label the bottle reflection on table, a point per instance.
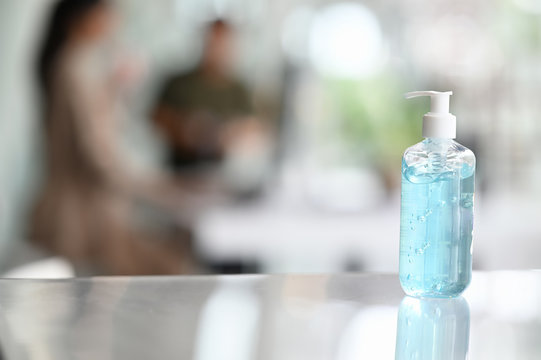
(435, 329)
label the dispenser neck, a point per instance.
(439, 126)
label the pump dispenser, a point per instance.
(436, 219)
(439, 122)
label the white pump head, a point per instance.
(438, 123)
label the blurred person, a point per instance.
(207, 118)
(84, 210)
(208, 122)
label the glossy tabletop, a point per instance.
(282, 317)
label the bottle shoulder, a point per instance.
(447, 151)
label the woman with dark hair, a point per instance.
(83, 212)
(62, 21)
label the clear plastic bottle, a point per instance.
(436, 220)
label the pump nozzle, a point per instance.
(438, 123)
(439, 101)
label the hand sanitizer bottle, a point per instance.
(436, 219)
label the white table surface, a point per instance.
(282, 317)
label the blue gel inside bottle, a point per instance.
(436, 218)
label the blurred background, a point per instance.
(231, 136)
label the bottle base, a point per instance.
(434, 290)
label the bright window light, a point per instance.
(346, 41)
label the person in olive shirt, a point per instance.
(195, 110)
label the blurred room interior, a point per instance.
(304, 175)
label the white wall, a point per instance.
(20, 23)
